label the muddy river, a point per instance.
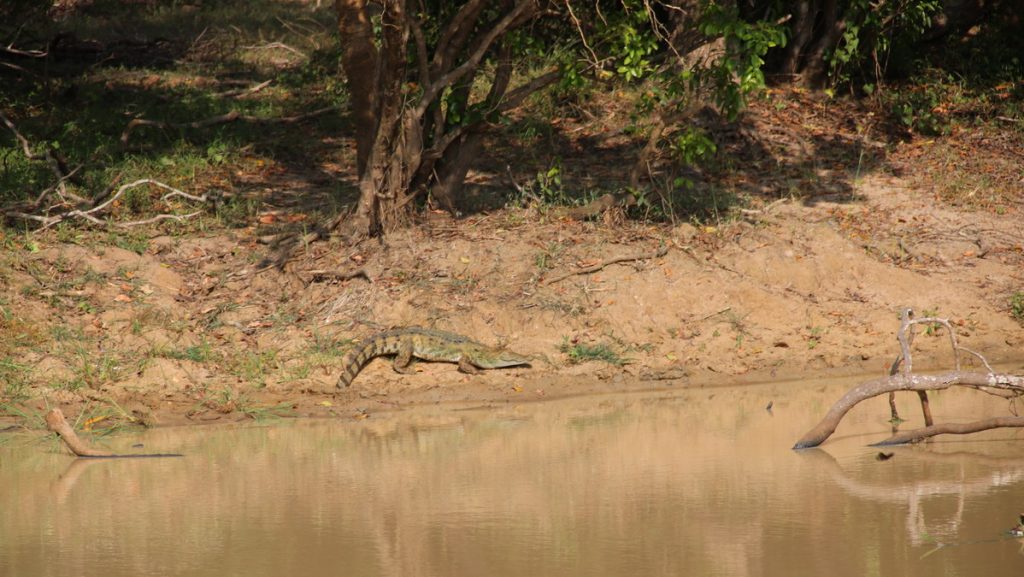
(684, 482)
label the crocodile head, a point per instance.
(501, 359)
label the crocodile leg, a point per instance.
(403, 360)
(467, 366)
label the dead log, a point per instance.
(1002, 385)
(56, 422)
(1009, 385)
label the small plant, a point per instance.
(544, 259)
(581, 353)
(1017, 306)
(814, 337)
(931, 329)
(14, 376)
(196, 353)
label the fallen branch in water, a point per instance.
(56, 422)
(662, 251)
(1001, 385)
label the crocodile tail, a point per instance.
(354, 362)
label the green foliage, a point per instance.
(915, 110)
(1017, 306)
(874, 32)
(581, 353)
(15, 379)
(196, 353)
(630, 40)
(693, 146)
(740, 72)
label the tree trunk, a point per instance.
(803, 28)
(815, 72)
(359, 60)
(406, 142)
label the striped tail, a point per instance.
(354, 362)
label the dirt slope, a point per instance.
(187, 332)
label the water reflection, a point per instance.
(697, 482)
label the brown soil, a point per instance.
(191, 332)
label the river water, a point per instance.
(684, 482)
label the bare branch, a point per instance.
(56, 422)
(827, 426)
(431, 92)
(951, 429)
(221, 119)
(91, 214)
(662, 251)
(239, 93)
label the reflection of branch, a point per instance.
(913, 492)
(66, 482)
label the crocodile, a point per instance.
(428, 345)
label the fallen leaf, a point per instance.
(123, 299)
(89, 423)
(326, 404)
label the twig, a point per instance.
(273, 45)
(662, 251)
(901, 378)
(221, 119)
(714, 314)
(90, 214)
(239, 93)
(51, 158)
(323, 274)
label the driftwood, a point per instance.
(1001, 385)
(56, 422)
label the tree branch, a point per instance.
(447, 79)
(221, 119)
(951, 429)
(828, 424)
(662, 251)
